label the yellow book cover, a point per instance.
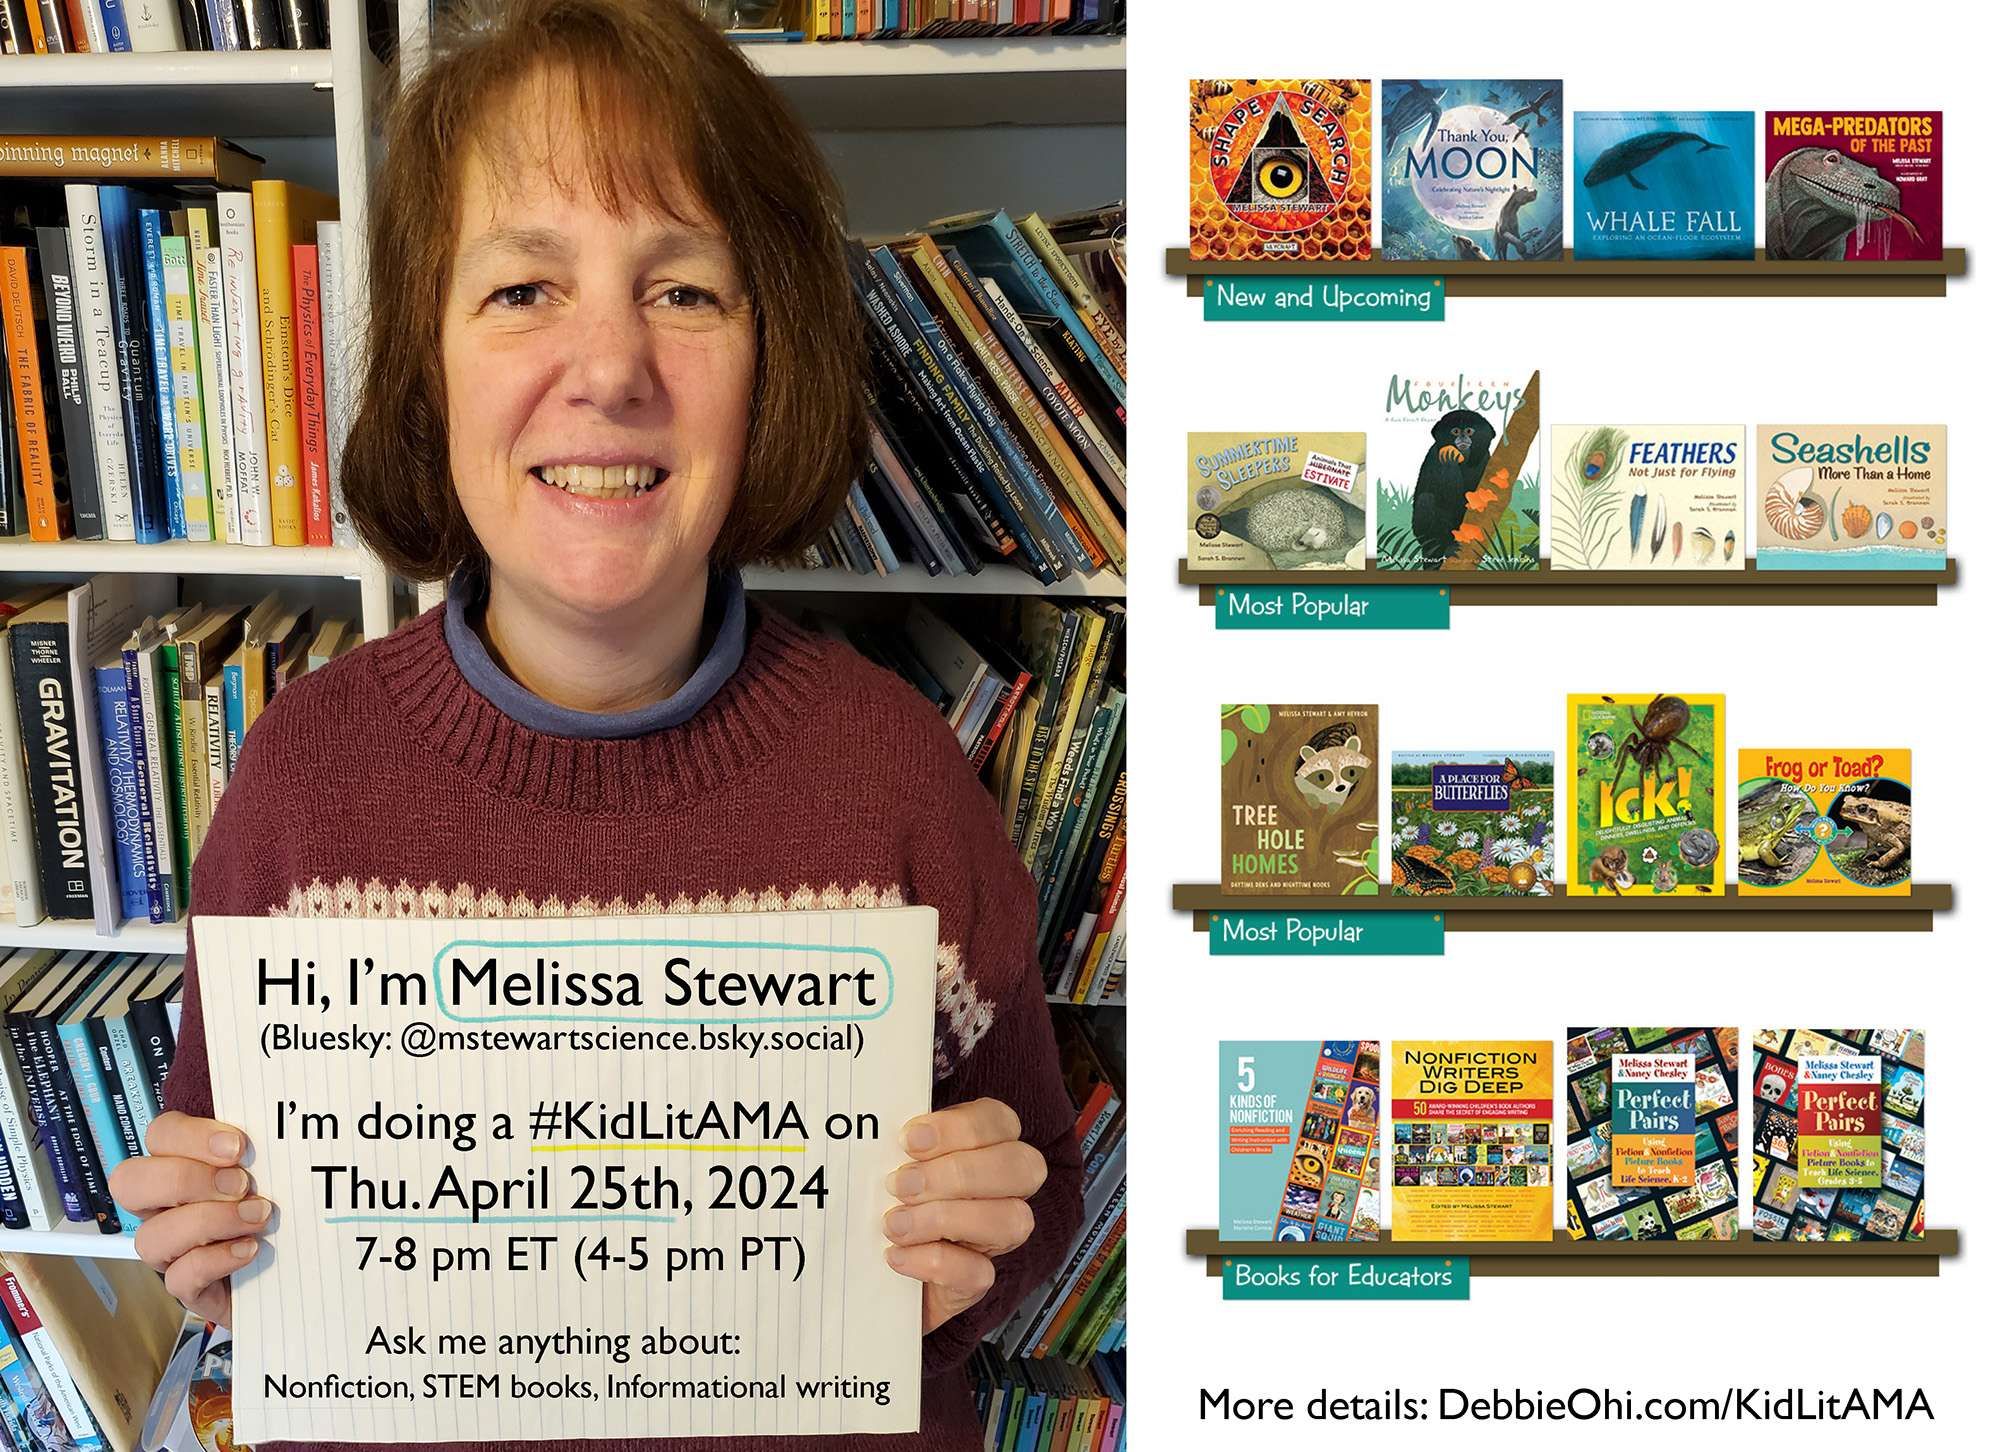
(1279, 171)
(1823, 823)
(1472, 1140)
(1648, 775)
(283, 213)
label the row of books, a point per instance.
(997, 416)
(953, 19)
(1837, 1142)
(121, 718)
(58, 27)
(89, 1039)
(83, 1345)
(1029, 1406)
(172, 353)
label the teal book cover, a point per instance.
(1300, 1140)
(1666, 185)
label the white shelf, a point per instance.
(177, 557)
(1050, 80)
(132, 938)
(82, 1241)
(994, 579)
(198, 93)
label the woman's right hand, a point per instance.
(201, 1221)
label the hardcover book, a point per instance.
(1823, 822)
(1458, 473)
(1850, 496)
(1648, 799)
(1652, 1133)
(1279, 171)
(1854, 186)
(1646, 498)
(1277, 501)
(1837, 1146)
(1666, 185)
(1472, 171)
(1472, 823)
(1300, 1140)
(1472, 1140)
(1299, 811)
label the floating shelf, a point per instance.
(85, 1242)
(1603, 278)
(1562, 1256)
(994, 579)
(1748, 586)
(1052, 80)
(132, 938)
(205, 93)
(179, 556)
(1729, 911)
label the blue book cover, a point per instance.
(163, 373)
(118, 213)
(115, 28)
(1666, 185)
(1300, 1133)
(232, 709)
(157, 904)
(121, 779)
(1472, 171)
(90, 1090)
(130, 1059)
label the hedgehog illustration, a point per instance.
(1305, 525)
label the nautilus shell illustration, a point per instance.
(1791, 508)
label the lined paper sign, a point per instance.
(572, 1178)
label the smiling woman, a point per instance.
(612, 355)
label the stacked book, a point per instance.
(948, 19)
(173, 347)
(121, 718)
(1028, 1406)
(57, 27)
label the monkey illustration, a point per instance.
(1454, 467)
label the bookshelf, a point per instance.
(81, 1241)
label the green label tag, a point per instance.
(1328, 299)
(1334, 1277)
(1344, 935)
(1332, 607)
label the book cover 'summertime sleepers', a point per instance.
(1300, 1140)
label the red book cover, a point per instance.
(47, 498)
(318, 491)
(1854, 186)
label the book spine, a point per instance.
(312, 393)
(134, 1082)
(222, 24)
(107, 417)
(261, 27)
(1035, 277)
(215, 727)
(124, 269)
(121, 782)
(1063, 404)
(40, 1200)
(162, 375)
(156, 812)
(13, 1209)
(217, 405)
(56, 1380)
(284, 461)
(154, 26)
(46, 516)
(79, 1098)
(48, 712)
(48, 1120)
(154, 1036)
(184, 363)
(116, 1131)
(117, 33)
(232, 701)
(17, 823)
(13, 493)
(336, 370)
(194, 752)
(71, 387)
(300, 19)
(173, 745)
(67, 1124)
(246, 367)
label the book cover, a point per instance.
(32, 365)
(113, 1325)
(1854, 186)
(1850, 496)
(1472, 171)
(98, 341)
(1838, 1140)
(1279, 171)
(1472, 1140)
(1300, 1140)
(284, 213)
(1666, 185)
(1299, 812)
(1648, 794)
(1635, 497)
(1458, 473)
(190, 433)
(1472, 823)
(1653, 1125)
(1277, 501)
(40, 641)
(1823, 822)
(71, 394)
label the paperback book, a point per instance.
(1472, 1140)
(1472, 823)
(1652, 1133)
(1300, 1145)
(1277, 501)
(1666, 185)
(1837, 1148)
(1633, 497)
(1279, 170)
(1458, 473)
(1823, 822)
(1472, 171)
(1299, 812)
(1854, 186)
(1648, 804)
(1850, 496)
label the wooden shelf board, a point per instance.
(132, 938)
(902, 84)
(176, 557)
(1546, 586)
(910, 580)
(201, 93)
(1729, 911)
(1594, 277)
(1563, 1256)
(84, 1242)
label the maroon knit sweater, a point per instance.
(384, 785)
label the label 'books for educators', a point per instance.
(1652, 1133)
(1300, 1140)
(1472, 823)
(1472, 171)
(1277, 501)
(1472, 1140)
(1838, 1147)
(1648, 806)
(1279, 170)
(1635, 497)
(1823, 822)
(1299, 808)
(1850, 496)
(1666, 185)
(1854, 186)
(1458, 472)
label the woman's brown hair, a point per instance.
(655, 89)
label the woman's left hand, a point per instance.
(964, 1197)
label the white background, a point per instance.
(1857, 676)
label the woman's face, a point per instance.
(598, 373)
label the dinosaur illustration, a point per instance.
(1816, 198)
